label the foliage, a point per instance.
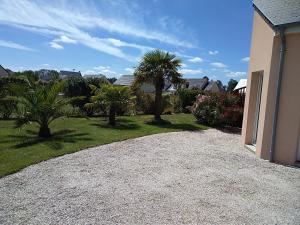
(27, 74)
(40, 103)
(207, 110)
(231, 85)
(187, 97)
(145, 103)
(113, 97)
(219, 109)
(156, 67)
(8, 103)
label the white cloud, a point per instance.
(191, 71)
(196, 60)
(130, 70)
(10, 44)
(213, 52)
(106, 70)
(183, 65)
(236, 74)
(72, 23)
(55, 45)
(245, 59)
(218, 65)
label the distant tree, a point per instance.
(221, 86)
(112, 80)
(231, 85)
(27, 74)
(97, 81)
(113, 97)
(8, 103)
(39, 102)
(156, 67)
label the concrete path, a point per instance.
(174, 178)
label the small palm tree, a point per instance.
(156, 67)
(39, 102)
(113, 97)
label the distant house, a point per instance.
(67, 74)
(128, 80)
(47, 75)
(213, 87)
(271, 123)
(199, 83)
(241, 86)
(3, 72)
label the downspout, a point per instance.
(278, 89)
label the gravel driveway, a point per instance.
(173, 178)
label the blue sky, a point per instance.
(212, 37)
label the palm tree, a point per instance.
(156, 67)
(39, 102)
(113, 97)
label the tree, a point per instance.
(113, 97)
(112, 80)
(231, 85)
(39, 102)
(156, 67)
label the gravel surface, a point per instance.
(173, 178)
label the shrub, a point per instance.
(219, 109)
(187, 97)
(145, 103)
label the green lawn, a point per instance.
(21, 147)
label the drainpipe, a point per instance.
(278, 89)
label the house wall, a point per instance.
(288, 124)
(261, 54)
(264, 60)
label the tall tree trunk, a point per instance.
(112, 116)
(44, 131)
(158, 102)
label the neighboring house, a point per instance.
(200, 83)
(47, 75)
(67, 74)
(128, 80)
(271, 125)
(213, 87)
(241, 86)
(3, 72)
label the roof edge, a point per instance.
(275, 27)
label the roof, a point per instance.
(197, 83)
(125, 80)
(241, 84)
(3, 72)
(66, 74)
(279, 12)
(213, 87)
(94, 76)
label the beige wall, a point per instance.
(264, 59)
(260, 64)
(289, 107)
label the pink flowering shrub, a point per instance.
(221, 109)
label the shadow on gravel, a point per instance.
(54, 142)
(230, 130)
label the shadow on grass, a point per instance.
(176, 126)
(121, 124)
(54, 142)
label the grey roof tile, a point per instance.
(279, 12)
